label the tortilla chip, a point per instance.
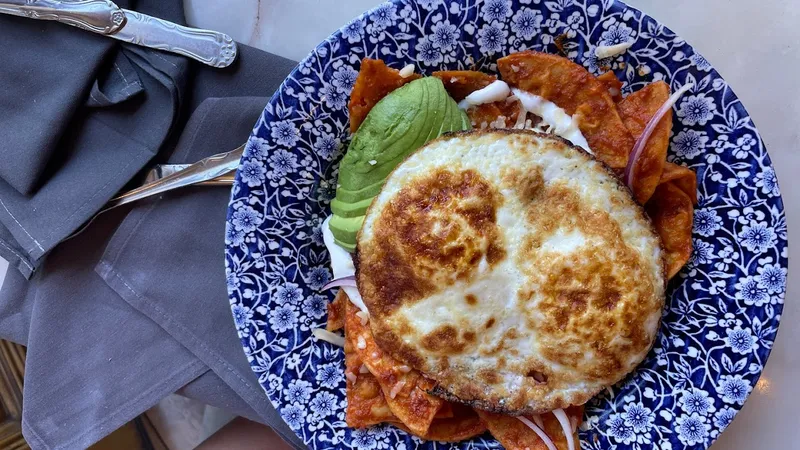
(336, 312)
(465, 424)
(682, 177)
(671, 211)
(411, 402)
(375, 80)
(636, 110)
(445, 412)
(487, 115)
(365, 403)
(461, 83)
(612, 84)
(515, 435)
(574, 89)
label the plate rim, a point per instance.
(776, 201)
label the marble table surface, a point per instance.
(755, 45)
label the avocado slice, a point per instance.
(347, 210)
(349, 196)
(399, 124)
(345, 230)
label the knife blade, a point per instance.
(215, 170)
(162, 170)
(202, 171)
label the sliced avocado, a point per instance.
(346, 210)
(345, 229)
(399, 124)
(345, 245)
(347, 196)
(465, 122)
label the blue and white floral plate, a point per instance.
(723, 309)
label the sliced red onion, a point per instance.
(537, 419)
(539, 432)
(344, 281)
(641, 143)
(566, 427)
(397, 388)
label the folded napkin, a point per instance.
(82, 115)
(135, 307)
(166, 258)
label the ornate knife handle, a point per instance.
(209, 47)
(99, 16)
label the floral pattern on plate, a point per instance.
(722, 310)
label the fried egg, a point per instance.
(513, 269)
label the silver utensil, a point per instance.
(209, 47)
(218, 170)
(98, 16)
(204, 170)
(106, 18)
(162, 170)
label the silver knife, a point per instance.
(106, 18)
(98, 16)
(162, 170)
(205, 170)
(215, 170)
(209, 47)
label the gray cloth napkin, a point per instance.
(166, 258)
(93, 361)
(46, 81)
(82, 114)
(101, 353)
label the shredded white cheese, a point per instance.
(607, 51)
(351, 377)
(562, 124)
(363, 369)
(496, 91)
(325, 335)
(372, 162)
(500, 122)
(362, 344)
(404, 368)
(364, 316)
(407, 71)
